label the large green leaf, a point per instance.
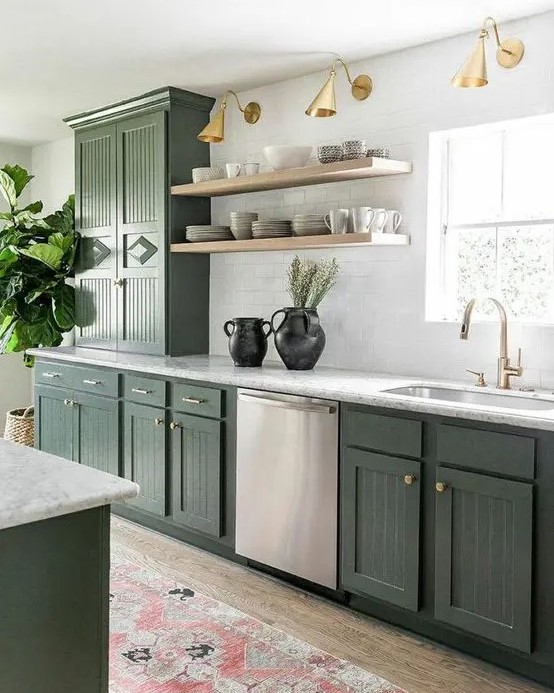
(19, 176)
(64, 242)
(44, 252)
(34, 207)
(64, 307)
(7, 188)
(7, 258)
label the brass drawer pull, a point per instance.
(158, 421)
(92, 382)
(140, 391)
(441, 487)
(409, 479)
(193, 400)
(50, 375)
(174, 425)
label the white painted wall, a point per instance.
(54, 170)
(15, 378)
(375, 318)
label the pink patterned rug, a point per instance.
(166, 638)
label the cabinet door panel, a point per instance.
(141, 192)
(196, 462)
(54, 421)
(96, 221)
(380, 526)
(483, 556)
(145, 459)
(97, 433)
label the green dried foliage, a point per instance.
(309, 282)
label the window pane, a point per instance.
(526, 271)
(475, 178)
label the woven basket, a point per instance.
(20, 426)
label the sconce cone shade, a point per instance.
(324, 104)
(473, 72)
(215, 129)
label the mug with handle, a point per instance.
(394, 220)
(362, 219)
(337, 220)
(379, 220)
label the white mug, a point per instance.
(362, 219)
(379, 220)
(394, 219)
(337, 220)
(233, 170)
(250, 169)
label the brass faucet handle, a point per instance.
(481, 382)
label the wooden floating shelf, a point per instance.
(345, 240)
(356, 169)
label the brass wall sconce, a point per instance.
(473, 72)
(215, 129)
(324, 104)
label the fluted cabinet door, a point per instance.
(141, 194)
(196, 464)
(144, 455)
(96, 221)
(54, 421)
(97, 432)
(483, 555)
(380, 505)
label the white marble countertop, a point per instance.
(357, 387)
(37, 486)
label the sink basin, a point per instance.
(487, 399)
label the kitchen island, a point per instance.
(54, 577)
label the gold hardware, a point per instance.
(118, 282)
(473, 72)
(158, 421)
(70, 403)
(92, 382)
(141, 391)
(505, 369)
(324, 104)
(193, 400)
(480, 378)
(50, 375)
(441, 487)
(173, 425)
(215, 129)
(409, 479)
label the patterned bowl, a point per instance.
(381, 152)
(354, 149)
(329, 153)
(205, 173)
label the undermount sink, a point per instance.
(489, 399)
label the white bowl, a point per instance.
(287, 156)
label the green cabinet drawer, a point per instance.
(192, 399)
(58, 374)
(383, 433)
(487, 451)
(95, 381)
(144, 390)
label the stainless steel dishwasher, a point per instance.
(287, 484)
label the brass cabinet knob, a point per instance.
(409, 479)
(70, 403)
(173, 425)
(441, 487)
(158, 421)
(118, 282)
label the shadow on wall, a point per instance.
(16, 388)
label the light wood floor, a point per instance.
(408, 661)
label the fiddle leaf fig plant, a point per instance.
(37, 256)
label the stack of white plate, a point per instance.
(200, 234)
(271, 228)
(241, 224)
(309, 225)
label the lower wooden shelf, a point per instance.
(345, 240)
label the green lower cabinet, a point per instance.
(197, 477)
(380, 506)
(54, 427)
(97, 441)
(483, 556)
(144, 455)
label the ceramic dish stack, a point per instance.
(271, 228)
(205, 233)
(241, 224)
(309, 225)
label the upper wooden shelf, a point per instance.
(356, 169)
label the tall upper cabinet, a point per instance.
(132, 294)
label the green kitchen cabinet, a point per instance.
(197, 494)
(484, 555)
(144, 455)
(54, 421)
(97, 438)
(380, 501)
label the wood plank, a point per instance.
(345, 240)
(340, 171)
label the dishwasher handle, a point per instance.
(282, 404)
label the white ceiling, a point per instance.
(61, 57)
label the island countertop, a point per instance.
(37, 486)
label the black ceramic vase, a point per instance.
(299, 338)
(247, 340)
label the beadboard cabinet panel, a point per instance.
(54, 421)
(97, 441)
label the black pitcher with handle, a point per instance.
(299, 338)
(247, 340)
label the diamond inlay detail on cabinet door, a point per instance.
(142, 250)
(100, 252)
